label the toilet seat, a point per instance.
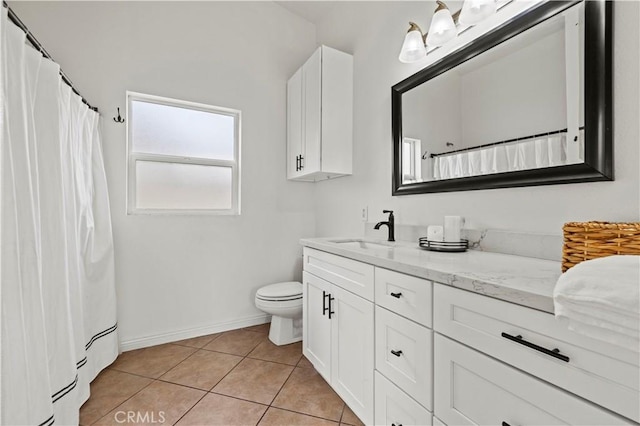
(280, 292)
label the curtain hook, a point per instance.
(119, 119)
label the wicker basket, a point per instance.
(591, 240)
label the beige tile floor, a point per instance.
(234, 378)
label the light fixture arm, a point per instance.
(442, 5)
(415, 27)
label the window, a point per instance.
(411, 160)
(183, 157)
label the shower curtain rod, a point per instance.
(522, 138)
(35, 43)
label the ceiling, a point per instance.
(312, 11)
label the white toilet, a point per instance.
(284, 302)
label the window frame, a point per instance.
(133, 157)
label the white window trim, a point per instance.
(132, 157)
(415, 157)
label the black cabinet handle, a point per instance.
(396, 295)
(505, 424)
(324, 302)
(301, 163)
(331, 299)
(397, 353)
(551, 352)
(297, 163)
(393, 424)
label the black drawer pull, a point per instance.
(324, 302)
(396, 295)
(397, 353)
(393, 424)
(505, 424)
(331, 299)
(551, 352)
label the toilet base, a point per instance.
(284, 331)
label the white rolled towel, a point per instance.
(600, 298)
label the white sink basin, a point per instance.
(364, 244)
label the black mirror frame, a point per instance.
(598, 92)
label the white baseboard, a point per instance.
(174, 336)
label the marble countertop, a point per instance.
(517, 279)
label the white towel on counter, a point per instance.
(600, 298)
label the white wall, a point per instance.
(182, 272)
(523, 93)
(375, 44)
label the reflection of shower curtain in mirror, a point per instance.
(58, 309)
(528, 154)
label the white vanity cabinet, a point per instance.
(474, 389)
(404, 349)
(536, 343)
(447, 356)
(338, 326)
(320, 117)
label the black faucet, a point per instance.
(390, 224)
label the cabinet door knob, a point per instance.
(396, 295)
(396, 353)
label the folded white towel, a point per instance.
(601, 299)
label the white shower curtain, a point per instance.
(58, 314)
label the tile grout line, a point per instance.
(153, 380)
(211, 390)
(228, 372)
(134, 394)
(342, 414)
(189, 410)
(276, 395)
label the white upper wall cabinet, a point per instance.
(320, 117)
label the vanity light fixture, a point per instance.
(476, 11)
(414, 47)
(443, 28)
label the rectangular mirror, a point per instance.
(526, 104)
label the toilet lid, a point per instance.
(280, 290)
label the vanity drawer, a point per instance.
(405, 295)
(474, 389)
(354, 276)
(394, 407)
(404, 354)
(597, 371)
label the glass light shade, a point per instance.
(413, 47)
(442, 28)
(475, 11)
